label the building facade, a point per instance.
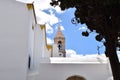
(59, 44)
(25, 54)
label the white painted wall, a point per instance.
(40, 50)
(14, 23)
(46, 53)
(56, 71)
(55, 52)
(62, 68)
(31, 36)
(38, 46)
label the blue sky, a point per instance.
(54, 17)
(74, 39)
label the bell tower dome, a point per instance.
(59, 41)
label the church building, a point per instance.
(59, 44)
(25, 54)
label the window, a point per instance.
(29, 62)
(59, 45)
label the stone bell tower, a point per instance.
(59, 44)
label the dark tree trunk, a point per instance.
(112, 54)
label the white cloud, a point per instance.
(72, 53)
(46, 18)
(53, 19)
(45, 5)
(49, 29)
(43, 18)
(83, 28)
(58, 10)
(49, 41)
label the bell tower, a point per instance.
(59, 43)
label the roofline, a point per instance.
(30, 6)
(26, 2)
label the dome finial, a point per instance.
(59, 28)
(59, 33)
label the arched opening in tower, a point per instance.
(59, 45)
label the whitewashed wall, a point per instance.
(40, 50)
(55, 52)
(56, 71)
(14, 23)
(38, 46)
(31, 36)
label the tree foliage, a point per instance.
(100, 15)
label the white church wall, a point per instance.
(58, 71)
(40, 49)
(14, 23)
(38, 45)
(55, 51)
(31, 37)
(46, 52)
